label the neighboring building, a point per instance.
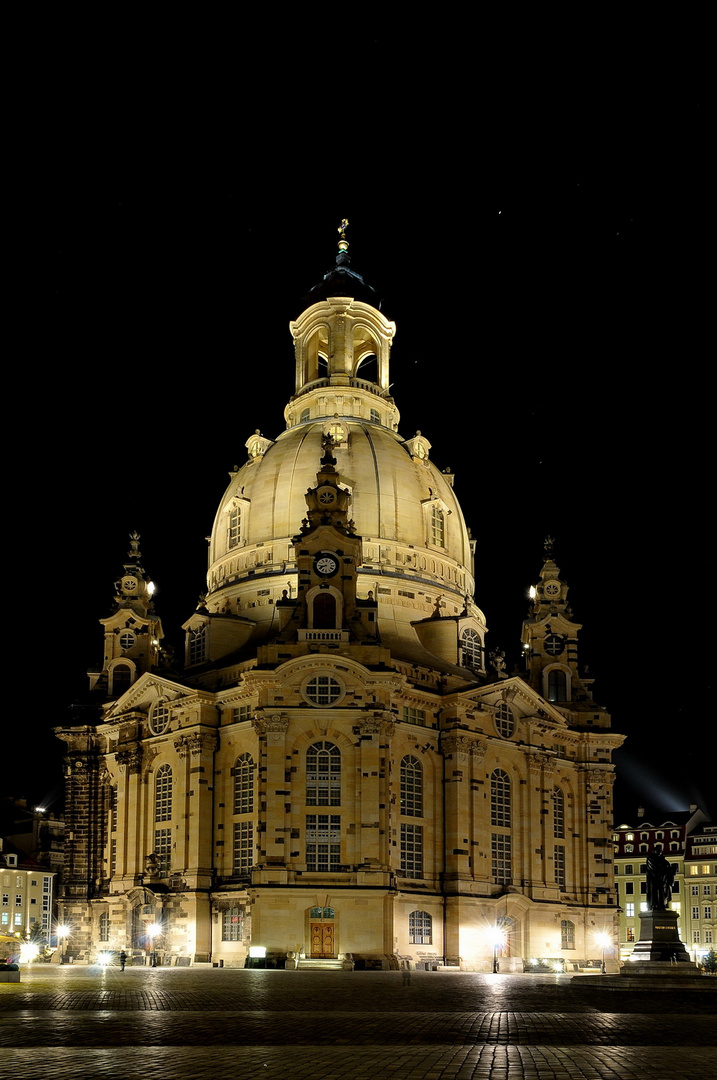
(26, 899)
(700, 904)
(341, 770)
(36, 833)
(655, 831)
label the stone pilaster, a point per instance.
(274, 792)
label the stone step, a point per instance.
(320, 965)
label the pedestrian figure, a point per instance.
(123, 959)
(406, 975)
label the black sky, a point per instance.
(543, 257)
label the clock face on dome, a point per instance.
(129, 584)
(326, 563)
(326, 497)
(552, 588)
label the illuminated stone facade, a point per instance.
(340, 772)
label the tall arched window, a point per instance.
(323, 775)
(244, 785)
(438, 527)
(163, 794)
(501, 867)
(121, 678)
(557, 685)
(558, 813)
(500, 798)
(104, 929)
(163, 812)
(234, 527)
(411, 787)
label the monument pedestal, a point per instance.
(659, 961)
(659, 940)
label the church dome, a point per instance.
(417, 553)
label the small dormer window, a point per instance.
(471, 649)
(197, 645)
(337, 431)
(127, 639)
(234, 530)
(375, 416)
(438, 527)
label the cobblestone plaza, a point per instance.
(211, 1023)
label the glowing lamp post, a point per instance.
(63, 932)
(603, 941)
(153, 931)
(497, 939)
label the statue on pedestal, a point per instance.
(660, 876)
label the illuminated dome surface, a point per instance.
(417, 557)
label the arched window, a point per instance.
(471, 649)
(234, 527)
(567, 934)
(438, 527)
(420, 928)
(557, 685)
(121, 678)
(244, 785)
(324, 611)
(104, 928)
(163, 794)
(197, 645)
(500, 798)
(558, 813)
(323, 775)
(501, 868)
(163, 812)
(411, 787)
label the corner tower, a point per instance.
(550, 647)
(132, 633)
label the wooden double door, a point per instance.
(322, 941)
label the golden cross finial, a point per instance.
(342, 228)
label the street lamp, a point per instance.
(603, 940)
(63, 932)
(497, 938)
(153, 930)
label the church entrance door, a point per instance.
(322, 941)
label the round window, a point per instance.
(323, 690)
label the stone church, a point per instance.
(340, 772)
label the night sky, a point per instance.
(545, 265)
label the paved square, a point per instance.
(207, 1024)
